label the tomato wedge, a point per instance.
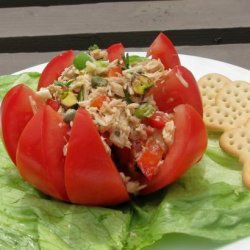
(163, 49)
(17, 108)
(190, 141)
(55, 68)
(40, 158)
(115, 51)
(91, 177)
(177, 87)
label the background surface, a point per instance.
(31, 32)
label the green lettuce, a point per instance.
(7, 81)
(207, 205)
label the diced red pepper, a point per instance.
(115, 71)
(98, 101)
(150, 157)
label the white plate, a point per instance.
(199, 67)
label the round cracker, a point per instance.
(209, 85)
(231, 109)
(237, 143)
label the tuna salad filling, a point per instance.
(117, 96)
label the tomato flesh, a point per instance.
(177, 87)
(17, 108)
(91, 177)
(190, 141)
(40, 158)
(163, 49)
(115, 71)
(55, 68)
(115, 51)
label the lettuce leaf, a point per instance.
(7, 81)
(208, 204)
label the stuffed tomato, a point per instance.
(103, 126)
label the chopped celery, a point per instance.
(144, 110)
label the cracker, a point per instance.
(237, 142)
(231, 109)
(209, 85)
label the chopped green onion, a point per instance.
(141, 84)
(63, 84)
(93, 47)
(81, 59)
(144, 110)
(125, 59)
(80, 96)
(127, 97)
(98, 81)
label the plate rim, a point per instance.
(182, 57)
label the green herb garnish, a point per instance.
(80, 95)
(125, 59)
(63, 84)
(127, 97)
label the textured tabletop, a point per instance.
(31, 32)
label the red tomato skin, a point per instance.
(55, 68)
(40, 158)
(15, 113)
(170, 91)
(91, 177)
(115, 51)
(163, 49)
(190, 142)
